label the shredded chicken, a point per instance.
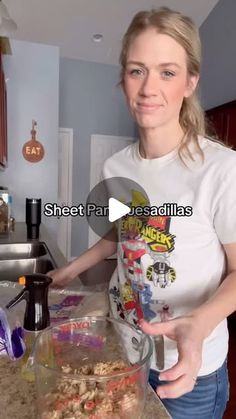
(75, 398)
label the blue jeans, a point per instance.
(207, 400)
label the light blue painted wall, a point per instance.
(90, 103)
(218, 34)
(33, 93)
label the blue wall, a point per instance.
(32, 93)
(218, 34)
(90, 103)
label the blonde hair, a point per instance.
(184, 31)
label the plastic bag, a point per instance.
(11, 343)
(63, 306)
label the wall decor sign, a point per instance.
(33, 150)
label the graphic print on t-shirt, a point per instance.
(145, 247)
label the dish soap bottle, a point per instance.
(35, 293)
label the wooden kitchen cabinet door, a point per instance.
(3, 118)
(216, 123)
(230, 126)
(223, 120)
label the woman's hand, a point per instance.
(188, 334)
(61, 277)
(104, 248)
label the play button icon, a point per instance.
(117, 210)
(111, 201)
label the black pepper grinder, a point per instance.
(33, 217)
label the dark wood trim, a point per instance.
(231, 104)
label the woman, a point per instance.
(184, 272)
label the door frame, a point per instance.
(117, 142)
(70, 132)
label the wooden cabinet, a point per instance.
(223, 120)
(3, 118)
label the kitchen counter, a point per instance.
(17, 396)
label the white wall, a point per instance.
(33, 91)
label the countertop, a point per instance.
(17, 396)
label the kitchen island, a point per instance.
(17, 396)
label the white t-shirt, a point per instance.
(168, 265)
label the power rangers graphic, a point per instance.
(128, 297)
(146, 243)
(143, 295)
(156, 234)
(138, 199)
(165, 313)
(133, 251)
(160, 273)
(131, 226)
(116, 298)
(137, 300)
(131, 302)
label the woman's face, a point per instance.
(156, 79)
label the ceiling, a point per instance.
(70, 24)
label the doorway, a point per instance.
(102, 147)
(65, 170)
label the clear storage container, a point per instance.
(91, 367)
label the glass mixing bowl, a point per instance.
(91, 367)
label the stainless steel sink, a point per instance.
(17, 259)
(10, 270)
(22, 250)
